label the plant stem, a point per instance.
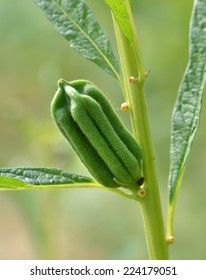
(131, 63)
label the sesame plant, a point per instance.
(119, 161)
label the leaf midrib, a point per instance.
(87, 37)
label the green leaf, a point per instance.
(28, 177)
(186, 114)
(120, 10)
(75, 22)
(7, 183)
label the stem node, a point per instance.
(132, 80)
(170, 239)
(141, 192)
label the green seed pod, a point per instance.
(86, 119)
(87, 88)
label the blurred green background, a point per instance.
(89, 224)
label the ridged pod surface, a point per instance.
(89, 123)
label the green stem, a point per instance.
(131, 63)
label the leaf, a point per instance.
(7, 183)
(121, 14)
(75, 22)
(28, 177)
(186, 114)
